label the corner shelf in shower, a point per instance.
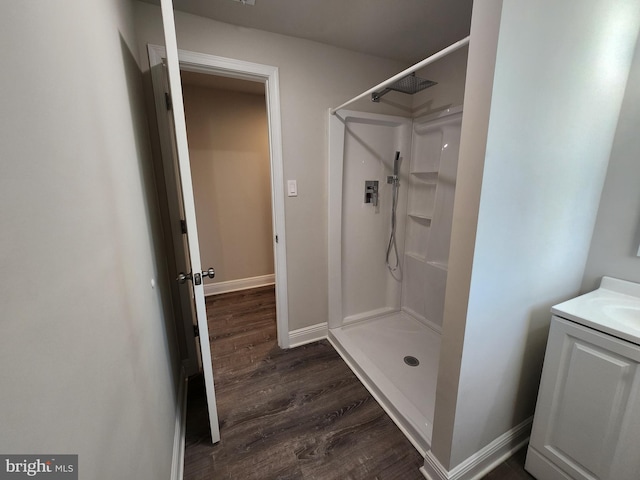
(423, 259)
(438, 265)
(430, 193)
(416, 256)
(421, 218)
(426, 176)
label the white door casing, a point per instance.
(216, 65)
(175, 59)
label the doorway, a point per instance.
(267, 79)
(228, 135)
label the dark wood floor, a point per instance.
(512, 469)
(294, 414)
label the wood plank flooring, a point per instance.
(287, 414)
(511, 469)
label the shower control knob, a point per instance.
(211, 273)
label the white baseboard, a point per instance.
(310, 334)
(484, 460)
(177, 462)
(240, 284)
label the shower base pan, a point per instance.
(375, 349)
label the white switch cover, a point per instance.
(292, 188)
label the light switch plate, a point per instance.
(292, 188)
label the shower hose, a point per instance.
(392, 238)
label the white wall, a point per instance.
(230, 166)
(450, 73)
(313, 78)
(560, 74)
(86, 352)
(616, 237)
(485, 23)
(369, 153)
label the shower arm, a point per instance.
(436, 56)
(376, 96)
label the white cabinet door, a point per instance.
(587, 421)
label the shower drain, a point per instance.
(411, 361)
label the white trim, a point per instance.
(239, 284)
(484, 460)
(306, 335)
(177, 462)
(336, 166)
(269, 75)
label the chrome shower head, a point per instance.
(409, 84)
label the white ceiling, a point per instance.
(405, 30)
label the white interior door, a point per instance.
(190, 243)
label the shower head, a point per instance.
(409, 85)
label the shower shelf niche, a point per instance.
(421, 218)
(427, 176)
(439, 265)
(431, 189)
(416, 256)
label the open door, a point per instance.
(182, 213)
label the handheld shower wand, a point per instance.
(396, 165)
(393, 179)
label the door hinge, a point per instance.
(196, 331)
(183, 226)
(276, 238)
(167, 99)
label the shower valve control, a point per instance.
(371, 192)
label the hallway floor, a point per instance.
(294, 414)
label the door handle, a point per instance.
(183, 277)
(211, 273)
(196, 277)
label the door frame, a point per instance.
(268, 75)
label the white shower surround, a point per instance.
(377, 318)
(374, 164)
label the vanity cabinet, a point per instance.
(587, 419)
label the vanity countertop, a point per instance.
(614, 308)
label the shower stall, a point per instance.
(391, 191)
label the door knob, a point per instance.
(211, 273)
(183, 277)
